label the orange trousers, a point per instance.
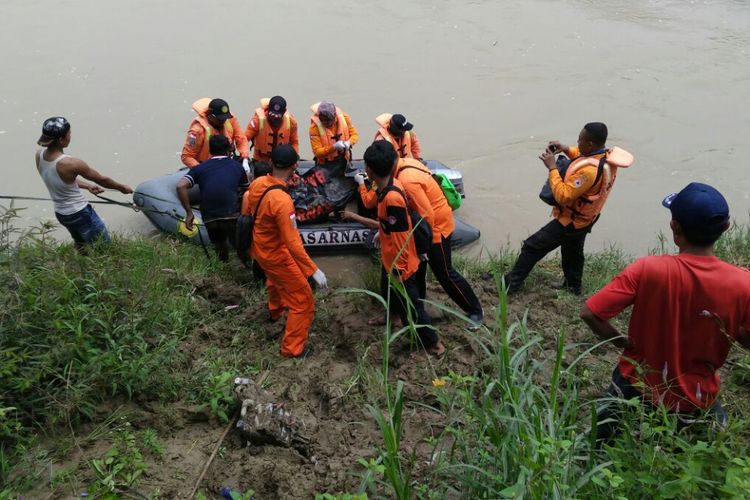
(288, 289)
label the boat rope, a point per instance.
(103, 201)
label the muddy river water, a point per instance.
(486, 84)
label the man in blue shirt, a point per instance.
(222, 181)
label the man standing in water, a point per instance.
(60, 173)
(580, 193)
(688, 309)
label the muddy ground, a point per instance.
(327, 392)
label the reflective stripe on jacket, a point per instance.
(265, 137)
(196, 150)
(323, 139)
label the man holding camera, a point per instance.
(579, 196)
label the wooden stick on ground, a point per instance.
(213, 455)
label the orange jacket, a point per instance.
(580, 197)
(195, 150)
(322, 139)
(275, 234)
(407, 146)
(265, 138)
(424, 195)
(395, 228)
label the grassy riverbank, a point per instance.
(116, 375)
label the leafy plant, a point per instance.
(217, 393)
(119, 469)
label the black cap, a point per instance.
(399, 124)
(220, 109)
(284, 156)
(53, 129)
(277, 105)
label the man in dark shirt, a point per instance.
(222, 182)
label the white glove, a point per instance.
(246, 165)
(359, 178)
(320, 279)
(347, 145)
(376, 240)
(339, 146)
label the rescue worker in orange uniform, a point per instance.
(213, 118)
(271, 126)
(426, 198)
(396, 130)
(332, 133)
(398, 252)
(277, 247)
(579, 197)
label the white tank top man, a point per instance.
(62, 174)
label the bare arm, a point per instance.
(370, 223)
(93, 188)
(602, 329)
(70, 168)
(182, 193)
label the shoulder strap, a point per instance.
(600, 170)
(424, 171)
(414, 168)
(389, 188)
(270, 188)
(597, 179)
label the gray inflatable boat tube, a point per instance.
(158, 198)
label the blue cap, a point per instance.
(699, 207)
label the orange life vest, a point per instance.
(267, 137)
(402, 145)
(341, 133)
(201, 107)
(590, 205)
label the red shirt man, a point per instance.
(688, 309)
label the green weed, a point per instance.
(119, 469)
(80, 329)
(213, 383)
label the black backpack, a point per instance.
(244, 230)
(421, 229)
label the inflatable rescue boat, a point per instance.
(158, 199)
